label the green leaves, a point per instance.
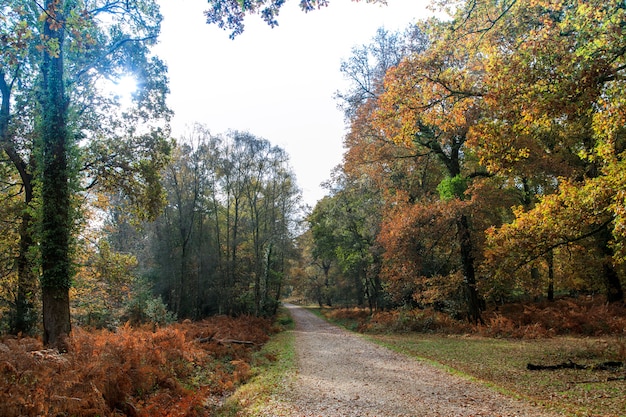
(452, 187)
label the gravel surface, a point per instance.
(341, 374)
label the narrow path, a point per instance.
(341, 374)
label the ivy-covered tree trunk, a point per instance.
(25, 316)
(55, 188)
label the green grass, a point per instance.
(272, 368)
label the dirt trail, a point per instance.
(341, 374)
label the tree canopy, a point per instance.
(496, 151)
(230, 14)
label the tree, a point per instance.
(55, 188)
(344, 227)
(367, 65)
(230, 14)
(71, 51)
(16, 139)
(430, 102)
(224, 240)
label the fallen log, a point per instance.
(211, 338)
(235, 341)
(604, 366)
(207, 339)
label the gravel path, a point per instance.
(341, 374)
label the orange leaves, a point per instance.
(425, 100)
(419, 241)
(134, 371)
(533, 91)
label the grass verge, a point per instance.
(273, 367)
(501, 364)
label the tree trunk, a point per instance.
(55, 189)
(25, 317)
(56, 317)
(614, 291)
(469, 274)
(613, 285)
(550, 259)
(327, 293)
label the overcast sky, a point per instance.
(277, 83)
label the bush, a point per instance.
(568, 316)
(157, 313)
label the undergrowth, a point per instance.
(578, 317)
(272, 369)
(179, 370)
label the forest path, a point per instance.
(341, 374)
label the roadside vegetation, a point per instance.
(185, 369)
(564, 333)
(273, 367)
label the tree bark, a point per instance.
(25, 317)
(55, 188)
(469, 274)
(56, 317)
(613, 285)
(550, 260)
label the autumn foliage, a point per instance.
(493, 148)
(589, 317)
(179, 370)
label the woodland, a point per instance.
(483, 166)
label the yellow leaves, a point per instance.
(430, 97)
(563, 219)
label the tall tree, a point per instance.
(70, 49)
(56, 220)
(16, 81)
(431, 101)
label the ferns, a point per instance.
(133, 371)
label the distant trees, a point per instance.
(345, 253)
(224, 240)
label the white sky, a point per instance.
(277, 83)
